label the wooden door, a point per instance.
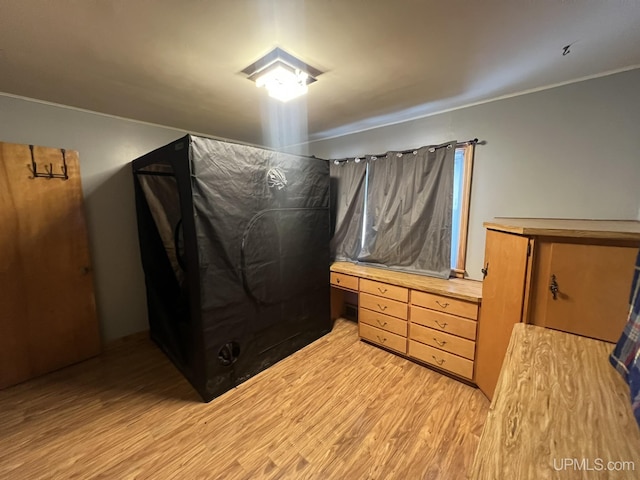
(503, 293)
(593, 284)
(47, 308)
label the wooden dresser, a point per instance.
(560, 411)
(431, 320)
(569, 275)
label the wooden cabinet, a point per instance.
(569, 275)
(47, 308)
(503, 293)
(348, 282)
(430, 320)
(344, 289)
(381, 319)
(442, 332)
(592, 282)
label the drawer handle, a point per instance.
(485, 271)
(442, 344)
(443, 305)
(553, 287)
(382, 290)
(381, 340)
(441, 325)
(337, 280)
(382, 307)
(439, 362)
(380, 323)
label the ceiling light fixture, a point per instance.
(283, 75)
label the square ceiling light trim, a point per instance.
(283, 76)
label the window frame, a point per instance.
(459, 270)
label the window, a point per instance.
(462, 172)
(375, 219)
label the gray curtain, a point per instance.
(407, 213)
(409, 206)
(347, 190)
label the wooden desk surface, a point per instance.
(571, 228)
(557, 398)
(469, 290)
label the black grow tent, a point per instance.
(234, 243)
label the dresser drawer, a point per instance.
(382, 321)
(443, 341)
(393, 292)
(445, 304)
(444, 322)
(446, 361)
(344, 281)
(386, 339)
(383, 305)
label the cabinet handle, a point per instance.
(382, 307)
(485, 271)
(443, 305)
(382, 290)
(442, 344)
(439, 362)
(380, 323)
(441, 325)
(337, 280)
(554, 287)
(381, 340)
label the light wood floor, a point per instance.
(338, 409)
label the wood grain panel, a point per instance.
(593, 296)
(384, 338)
(341, 280)
(568, 228)
(444, 304)
(383, 305)
(337, 409)
(459, 326)
(557, 398)
(446, 361)
(382, 321)
(386, 290)
(464, 289)
(443, 341)
(47, 307)
(503, 292)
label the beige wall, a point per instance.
(569, 152)
(106, 146)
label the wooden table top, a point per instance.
(572, 228)
(558, 398)
(469, 290)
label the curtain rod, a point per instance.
(473, 141)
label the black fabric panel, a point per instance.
(167, 307)
(256, 239)
(275, 248)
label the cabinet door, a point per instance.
(593, 283)
(503, 293)
(47, 308)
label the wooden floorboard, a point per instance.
(338, 409)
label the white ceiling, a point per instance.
(177, 62)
